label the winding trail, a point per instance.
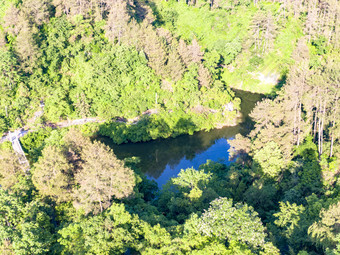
(14, 137)
(23, 131)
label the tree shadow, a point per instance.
(299, 179)
(159, 148)
(299, 186)
(281, 82)
(141, 11)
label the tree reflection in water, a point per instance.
(164, 158)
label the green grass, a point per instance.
(214, 28)
(275, 62)
(208, 27)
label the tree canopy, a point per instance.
(135, 71)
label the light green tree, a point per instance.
(270, 160)
(52, 174)
(238, 222)
(325, 232)
(25, 228)
(192, 180)
(10, 168)
(101, 177)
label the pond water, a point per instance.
(163, 159)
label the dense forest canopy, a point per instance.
(153, 69)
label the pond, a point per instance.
(163, 159)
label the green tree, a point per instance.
(325, 232)
(117, 21)
(26, 227)
(10, 169)
(185, 194)
(101, 177)
(113, 232)
(270, 160)
(289, 217)
(238, 222)
(193, 181)
(52, 174)
(292, 221)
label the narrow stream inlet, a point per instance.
(163, 159)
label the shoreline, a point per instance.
(79, 122)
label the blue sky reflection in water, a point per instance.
(217, 152)
(163, 159)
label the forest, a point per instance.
(155, 69)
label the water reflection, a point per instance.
(162, 159)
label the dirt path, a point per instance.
(68, 123)
(61, 124)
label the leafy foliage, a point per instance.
(142, 70)
(238, 222)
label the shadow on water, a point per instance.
(164, 158)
